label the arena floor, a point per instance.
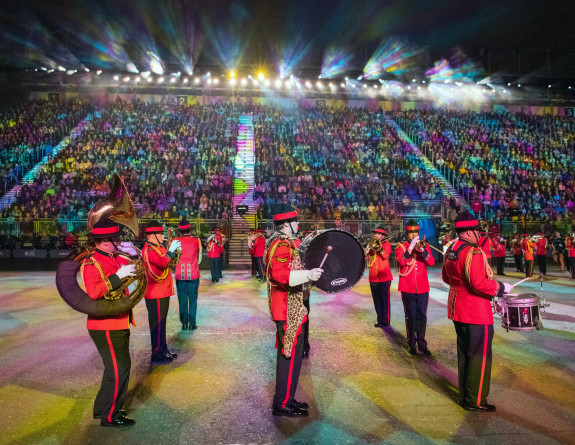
(362, 385)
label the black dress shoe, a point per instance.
(193, 328)
(119, 422)
(487, 408)
(185, 326)
(412, 350)
(301, 405)
(162, 359)
(121, 412)
(290, 411)
(305, 354)
(426, 352)
(173, 355)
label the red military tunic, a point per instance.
(541, 247)
(485, 245)
(220, 243)
(413, 268)
(570, 246)
(499, 249)
(516, 248)
(378, 264)
(188, 267)
(213, 247)
(471, 287)
(260, 246)
(278, 262)
(527, 246)
(99, 276)
(156, 260)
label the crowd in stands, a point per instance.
(176, 161)
(29, 132)
(336, 164)
(516, 166)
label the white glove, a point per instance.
(414, 241)
(315, 274)
(128, 248)
(175, 245)
(507, 288)
(127, 270)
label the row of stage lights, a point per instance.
(262, 81)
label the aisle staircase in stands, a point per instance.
(29, 177)
(446, 187)
(243, 195)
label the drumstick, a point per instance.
(325, 256)
(519, 282)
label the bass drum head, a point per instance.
(344, 265)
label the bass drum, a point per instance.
(344, 265)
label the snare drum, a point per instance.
(519, 312)
(344, 264)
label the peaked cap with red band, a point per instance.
(184, 225)
(466, 220)
(284, 212)
(105, 228)
(412, 226)
(379, 229)
(154, 227)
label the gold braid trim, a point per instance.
(477, 251)
(156, 278)
(410, 263)
(93, 262)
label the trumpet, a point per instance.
(174, 261)
(374, 244)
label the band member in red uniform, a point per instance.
(285, 296)
(485, 245)
(517, 251)
(214, 256)
(499, 253)
(413, 260)
(160, 288)
(471, 289)
(528, 247)
(541, 253)
(570, 247)
(221, 242)
(188, 274)
(251, 238)
(445, 240)
(380, 276)
(259, 249)
(101, 272)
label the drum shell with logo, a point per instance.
(344, 265)
(520, 312)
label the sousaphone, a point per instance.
(118, 207)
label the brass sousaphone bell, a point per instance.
(118, 207)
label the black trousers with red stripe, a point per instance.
(380, 295)
(542, 263)
(287, 369)
(415, 308)
(528, 268)
(157, 314)
(260, 267)
(474, 361)
(114, 348)
(306, 346)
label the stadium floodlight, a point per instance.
(319, 85)
(518, 85)
(172, 80)
(137, 79)
(161, 80)
(116, 77)
(186, 80)
(98, 72)
(87, 70)
(308, 84)
(233, 82)
(232, 74)
(244, 82)
(278, 83)
(149, 79)
(209, 81)
(261, 76)
(61, 68)
(127, 79)
(216, 81)
(197, 80)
